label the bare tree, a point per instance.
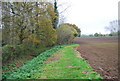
(63, 8)
(113, 26)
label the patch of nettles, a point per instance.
(32, 67)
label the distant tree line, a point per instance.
(113, 28)
(102, 35)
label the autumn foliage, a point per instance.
(33, 25)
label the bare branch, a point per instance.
(64, 10)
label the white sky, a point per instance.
(90, 15)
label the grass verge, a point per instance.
(69, 66)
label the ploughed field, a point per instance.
(101, 53)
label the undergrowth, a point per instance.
(31, 67)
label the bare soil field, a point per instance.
(101, 53)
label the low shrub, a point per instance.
(65, 34)
(11, 51)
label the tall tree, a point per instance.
(28, 19)
(56, 19)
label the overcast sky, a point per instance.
(90, 15)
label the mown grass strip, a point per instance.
(69, 66)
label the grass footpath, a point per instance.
(60, 62)
(69, 66)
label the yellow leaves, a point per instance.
(36, 41)
(56, 16)
(48, 21)
(31, 37)
(47, 33)
(36, 10)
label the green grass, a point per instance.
(69, 66)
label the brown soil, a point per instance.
(101, 53)
(55, 57)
